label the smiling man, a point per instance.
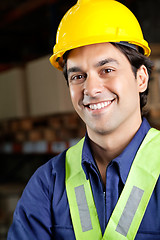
(105, 94)
(107, 186)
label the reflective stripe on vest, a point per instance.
(130, 208)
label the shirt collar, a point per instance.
(124, 160)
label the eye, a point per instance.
(106, 71)
(78, 78)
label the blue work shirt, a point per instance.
(43, 213)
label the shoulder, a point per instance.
(32, 217)
(44, 177)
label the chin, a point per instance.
(100, 131)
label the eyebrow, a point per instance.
(74, 69)
(105, 61)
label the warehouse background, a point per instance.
(37, 120)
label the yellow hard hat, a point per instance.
(96, 21)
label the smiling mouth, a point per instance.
(98, 106)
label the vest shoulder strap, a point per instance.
(131, 206)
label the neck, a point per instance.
(107, 147)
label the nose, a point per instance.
(92, 86)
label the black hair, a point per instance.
(136, 59)
(64, 65)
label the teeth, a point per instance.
(99, 105)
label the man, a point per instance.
(107, 186)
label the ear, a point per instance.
(142, 78)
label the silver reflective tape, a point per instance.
(83, 208)
(129, 211)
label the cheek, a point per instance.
(72, 92)
(75, 94)
(125, 88)
(128, 83)
(116, 86)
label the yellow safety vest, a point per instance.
(131, 206)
